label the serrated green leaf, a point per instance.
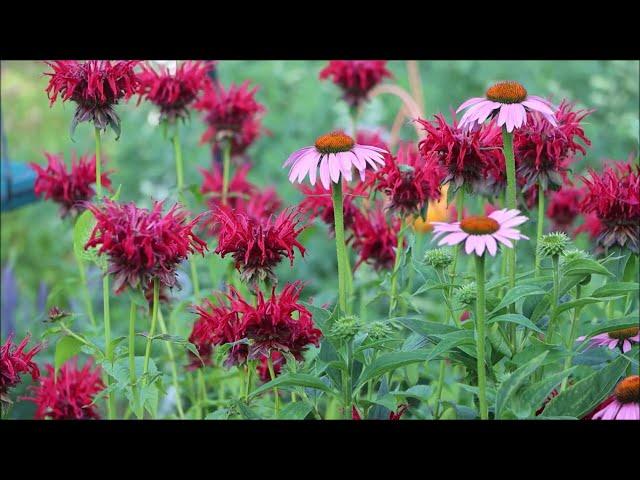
(66, 347)
(424, 327)
(580, 302)
(515, 380)
(247, 412)
(516, 293)
(534, 395)
(584, 266)
(294, 380)
(295, 411)
(615, 289)
(515, 318)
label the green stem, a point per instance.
(174, 367)
(346, 383)
(555, 294)
(507, 140)
(177, 151)
(152, 331)
(111, 405)
(338, 218)
(203, 392)
(226, 167)
(571, 340)
(454, 264)
(132, 359)
(247, 387)
(480, 337)
(396, 266)
(96, 133)
(540, 226)
(436, 413)
(275, 390)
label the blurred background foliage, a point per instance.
(36, 254)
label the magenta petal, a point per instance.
(324, 173)
(468, 103)
(492, 246)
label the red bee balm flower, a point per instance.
(409, 181)
(258, 245)
(174, 92)
(356, 78)
(467, 156)
(14, 361)
(278, 324)
(591, 225)
(614, 196)
(69, 189)
(564, 207)
(70, 395)
(142, 245)
(277, 360)
(96, 86)
(543, 151)
(318, 203)
(230, 114)
(375, 240)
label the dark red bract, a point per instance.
(564, 207)
(258, 244)
(614, 196)
(68, 396)
(96, 86)
(544, 152)
(143, 245)
(14, 361)
(356, 78)
(70, 189)
(375, 238)
(174, 92)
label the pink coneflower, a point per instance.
(96, 86)
(622, 339)
(143, 245)
(318, 204)
(375, 238)
(509, 101)
(258, 244)
(468, 157)
(280, 323)
(14, 361)
(70, 395)
(336, 153)
(409, 181)
(623, 404)
(482, 233)
(70, 189)
(543, 152)
(564, 207)
(174, 92)
(356, 78)
(614, 196)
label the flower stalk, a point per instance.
(480, 336)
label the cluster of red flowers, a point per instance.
(143, 245)
(258, 244)
(278, 324)
(174, 92)
(472, 158)
(318, 203)
(543, 152)
(70, 394)
(14, 361)
(375, 238)
(356, 78)
(95, 86)
(71, 189)
(408, 181)
(230, 114)
(564, 207)
(614, 197)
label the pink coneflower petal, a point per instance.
(626, 346)
(630, 411)
(538, 106)
(324, 173)
(453, 239)
(470, 102)
(334, 167)
(492, 246)
(345, 165)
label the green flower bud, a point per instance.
(345, 328)
(438, 258)
(466, 295)
(378, 330)
(553, 244)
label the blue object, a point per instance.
(16, 186)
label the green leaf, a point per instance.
(66, 348)
(220, 414)
(515, 380)
(616, 324)
(247, 412)
(615, 289)
(583, 267)
(294, 380)
(534, 395)
(580, 302)
(424, 327)
(516, 293)
(515, 318)
(499, 340)
(295, 411)
(116, 195)
(81, 233)
(583, 397)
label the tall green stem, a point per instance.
(571, 340)
(346, 382)
(540, 226)
(152, 330)
(177, 152)
(396, 265)
(555, 294)
(226, 168)
(174, 367)
(96, 133)
(132, 359)
(338, 218)
(441, 372)
(510, 162)
(480, 337)
(272, 373)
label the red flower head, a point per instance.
(356, 78)
(279, 323)
(375, 240)
(70, 189)
(142, 245)
(318, 203)
(564, 207)
(591, 225)
(239, 189)
(257, 245)
(14, 361)
(230, 114)
(543, 152)
(614, 196)
(469, 157)
(217, 325)
(277, 359)
(365, 137)
(409, 181)
(174, 92)
(96, 86)
(68, 396)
